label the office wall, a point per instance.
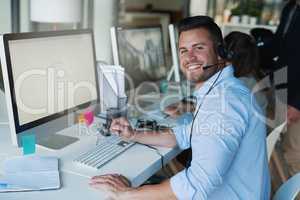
(5, 16)
(105, 16)
(198, 7)
(25, 23)
(5, 26)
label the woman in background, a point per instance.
(245, 61)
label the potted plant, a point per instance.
(248, 10)
(235, 14)
(254, 9)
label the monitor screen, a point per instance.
(141, 53)
(50, 74)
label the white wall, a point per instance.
(198, 7)
(5, 16)
(105, 16)
(24, 16)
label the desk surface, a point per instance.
(137, 163)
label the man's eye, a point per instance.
(181, 52)
(199, 47)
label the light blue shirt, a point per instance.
(229, 158)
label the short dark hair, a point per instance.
(205, 22)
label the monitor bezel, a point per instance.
(30, 35)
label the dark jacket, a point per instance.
(288, 49)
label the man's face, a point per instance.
(196, 49)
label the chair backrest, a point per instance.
(289, 189)
(273, 137)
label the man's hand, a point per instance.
(122, 127)
(172, 110)
(113, 185)
(117, 187)
(293, 115)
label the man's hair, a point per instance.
(204, 22)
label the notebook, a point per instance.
(30, 172)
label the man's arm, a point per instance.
(157, 138)
(163, 138)
(161, 191)
(179, 108)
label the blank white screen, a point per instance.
(52, 74)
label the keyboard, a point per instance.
(107, 149)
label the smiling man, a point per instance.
(227, 134)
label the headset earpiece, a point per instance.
(221, 51)
(224, 53)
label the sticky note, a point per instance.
(81, 119)
(28, 143)
(89, 117)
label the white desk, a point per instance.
(138, 163)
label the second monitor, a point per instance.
(140, 51)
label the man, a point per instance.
(227, 138)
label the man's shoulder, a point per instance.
(237, 95)
(235, 87)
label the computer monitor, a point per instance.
(175, 70)
(140, 51)
(48, 76)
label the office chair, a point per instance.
(289, 189)
(273, 137)
(273, 154)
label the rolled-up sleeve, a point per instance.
(216, 139)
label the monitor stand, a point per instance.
(56, 134)
(56, 141)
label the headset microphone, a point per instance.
(211, 65)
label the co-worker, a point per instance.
(226, 137)
(246, 62)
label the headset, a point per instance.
(224, 53)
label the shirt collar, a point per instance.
(226, 73)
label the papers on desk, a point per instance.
(112, 85)
(26, 173)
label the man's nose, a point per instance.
(191, 55)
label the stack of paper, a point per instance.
(30, 173)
